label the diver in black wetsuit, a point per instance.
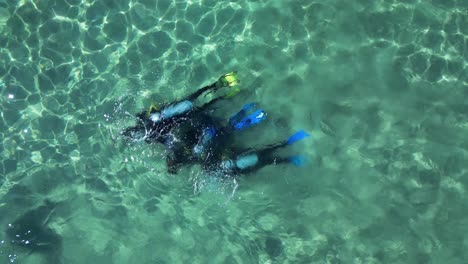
(155, 125)
(180, 126)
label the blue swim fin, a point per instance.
(297, 136)
(251, 120)
(298, 161)
(241, 114)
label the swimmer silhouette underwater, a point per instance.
(190, 134)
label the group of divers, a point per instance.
(191, 135)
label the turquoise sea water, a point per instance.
(380, 85)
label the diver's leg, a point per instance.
(277, 160)
(255, 161)
(229, 79)
(200, 91)
(268, 149)
(210, 103)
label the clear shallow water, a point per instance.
(381, 86)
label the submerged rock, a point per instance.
(31, 232)
(423, 196)
(273, 246)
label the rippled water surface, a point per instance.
(380, 85)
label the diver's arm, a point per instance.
(197, 93)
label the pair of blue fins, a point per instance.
(250, 116)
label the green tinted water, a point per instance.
(380, 85)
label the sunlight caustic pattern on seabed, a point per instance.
(381, 85)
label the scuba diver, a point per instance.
(180, 125)
(155, 124)
(250, 160)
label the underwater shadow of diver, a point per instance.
(31, 232)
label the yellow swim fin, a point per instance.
(229, 79)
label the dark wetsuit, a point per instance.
(155, 126)
(184, 142)
(250, 160)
